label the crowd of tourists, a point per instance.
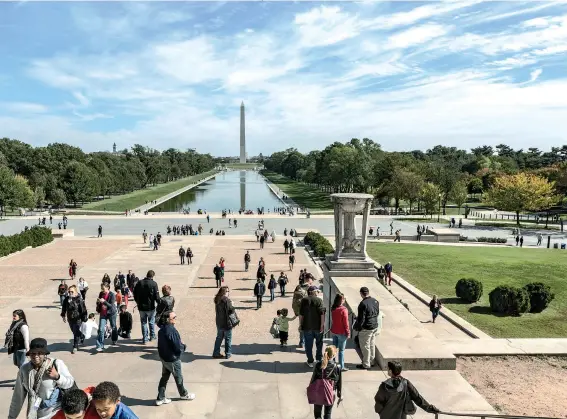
(47, 386)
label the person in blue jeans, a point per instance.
(272, 287)
(223, 308)
(340, 327)
(106, 307)
(146, 294)
(312, 320)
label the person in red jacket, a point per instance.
(340, 327)
(76, 404)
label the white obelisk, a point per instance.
(242, 135)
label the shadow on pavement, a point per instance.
(130, 401)
(269, 367)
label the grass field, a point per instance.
(242, 165)
(303, 194)
(436, 270)
(139, 197)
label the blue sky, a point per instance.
(409, 75)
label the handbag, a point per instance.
(275, 330)
(321, 391)
(409, 406)
(232, 319)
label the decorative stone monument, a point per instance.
(350, 257)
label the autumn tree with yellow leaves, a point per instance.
(522, 192)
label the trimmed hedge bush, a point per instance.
(509, 300)
(469, 289)
(320, 245)
(491, 240)
(540, 296)
(35, 236)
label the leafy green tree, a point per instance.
(430, 195)
(459, 194)
(39, 197)
(78, 182)
(58, 198)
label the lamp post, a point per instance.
(439, 213)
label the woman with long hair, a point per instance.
(106, 279)
(327, 370)
(72, 269)
(18, 338)
(340, 327)
(223, 309)
(75, 313)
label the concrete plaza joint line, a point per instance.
(259, 381)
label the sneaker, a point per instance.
(99, 349)
(309, 364)
(345, 369)
(300, 346)
(228, 356)
(188, 396)
(219, 356)
(362, 367)
(163, 401)
(73, 350)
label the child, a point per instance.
(283, 324)
(88, 327)
(259, 290)
(106, 400)
(125, 322)
(119, 297)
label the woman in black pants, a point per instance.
(326, 369)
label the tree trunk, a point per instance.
(518, 218)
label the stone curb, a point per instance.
(447, 314)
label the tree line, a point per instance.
(60, 173)
(440, 174)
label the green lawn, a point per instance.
(139, 197)
(242, 165)
(303, 194)
(436, 270)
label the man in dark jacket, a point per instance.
(259, 291)
(312, 321)
(367, 326)
(396, 396)
(182, 255)
(218, 275)
(146, 294)
(170, 348)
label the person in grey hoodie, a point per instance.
(42, 395)
(396, 396)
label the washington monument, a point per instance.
(242, 135)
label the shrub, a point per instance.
(35, 236)
(509, 300)
(540, 296)
(469, 289)
(491, 240)
(320, 245)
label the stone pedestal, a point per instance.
(350, 257)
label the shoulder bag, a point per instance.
(232, 318)
(321, 391)
(409, 406)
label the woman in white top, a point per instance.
(83, 288)
(18, 338)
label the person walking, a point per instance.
(106, 308)
(522, 241)
(223, 310)
(340, 327)
(539, 239)
(18, 338)
(259, 291)
(40, 381)
(312, 320)
(99, 231)
(146, 295)
(170, 348)
(83, 288)
(435, 306)
(217, 271)
(247, 259)
(166, 304)
(72, 269)
(189, 256)
(74, 312)
(388, 268)
(282, 282)
(272, 287)
(286, 246)
(262, 240)
(396, 396)
(298, 294)
(326, 370)
(367, 326)
(291, 261)
(182, 255)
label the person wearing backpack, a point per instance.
(106, 307)
(327, 375)
(396, 396)
(166, 303)
(298, 295)
(272, 287)
(75, 313)
(259, 291)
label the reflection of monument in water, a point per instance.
(242, 134)
(243, 189)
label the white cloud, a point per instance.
(83, 101)
(326, 25)
(23, 107)
(417, 35)
(535, 74)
